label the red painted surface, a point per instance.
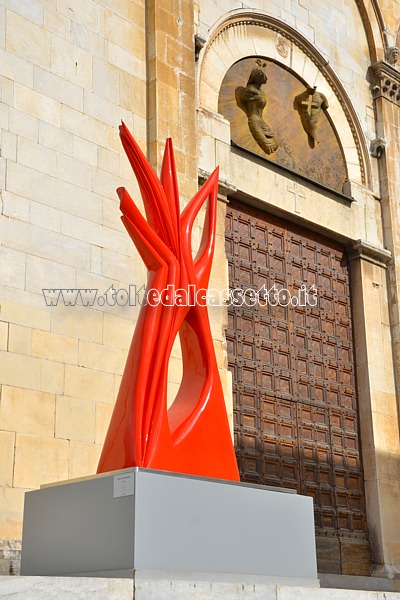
(193, 435)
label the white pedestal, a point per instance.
(154, 522)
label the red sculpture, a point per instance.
(193, 435)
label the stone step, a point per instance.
(87, 588)
(356, 582)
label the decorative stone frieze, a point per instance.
(385, 81)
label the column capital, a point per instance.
(225, 188)
(361, 249)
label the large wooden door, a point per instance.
(295, 404)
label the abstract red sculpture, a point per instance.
(193, 435)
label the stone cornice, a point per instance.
(361, 249)
(385, 81)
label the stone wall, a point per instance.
(70, 71)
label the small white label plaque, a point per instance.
(124, 485)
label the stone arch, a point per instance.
(252, 33)
(374, 27)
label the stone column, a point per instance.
(379, 425)
(171, 110)
(385, 80)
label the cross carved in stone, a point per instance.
(298, 196)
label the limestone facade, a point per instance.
(70, 71)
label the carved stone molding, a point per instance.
(377, 147)
(198, 46)
(290, 34)
(385, 80)
(361, 249)
(225, 188)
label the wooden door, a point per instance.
(295, 403)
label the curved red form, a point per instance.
(193, 435)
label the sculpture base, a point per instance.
(119, 523)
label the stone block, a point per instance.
(15, 206)
(117, 332)
(57, 88)
(105, 184)
(9, 145)
(56, 22)
(19, 370)
(83, 229)
(3, 335)
(83, 125)
(24, 124)
(4, 119)
(53, 246)
(117, 266)
(95, 260)
(20, 339)
(83, 459)
(74, 171)
(36, 156)
(25, 314)
(122, 32)
(79, 322)
(85, 151)
(386, 430)
(53, 192)
(27, 40)
(71, 62)
(27, 411)
(72, 588)
(55, 138)
(2, 27)
(39, 460)
(109, 161)
(105, 80)
(31, 9)
(132, 92)
(103, 417)
(75, 419)
(101, 357)
(10, 527)
(12, 267)
(37, 105)
(60, 348)
(42, 274)
(89, 384)
(117, 384)
(16, 68)
(45, 216)
(126, 61)
(105, 111)
(84, 13)
(52, 377)
(7, 443)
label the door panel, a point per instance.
(295, 404)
